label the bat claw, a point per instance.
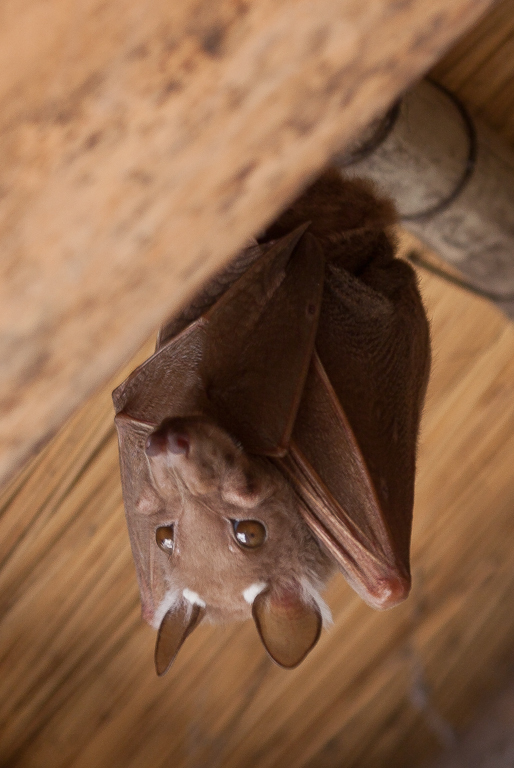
(391, 591)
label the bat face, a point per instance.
(229, 526)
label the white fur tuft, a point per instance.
(312, 592)
(251, 592)
(193, 598)
(170, 598)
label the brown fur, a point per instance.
(207, 489)
(343, 213)
(373, 345)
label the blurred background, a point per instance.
(78, 687)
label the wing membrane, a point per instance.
(244, 362)
(340, 505)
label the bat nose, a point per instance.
(167, 438)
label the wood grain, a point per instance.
(142, 144)
(479, 69)
(420, 165)
(78, 688)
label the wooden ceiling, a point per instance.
(78, 688)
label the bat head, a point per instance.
(228, 543)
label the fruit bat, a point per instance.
(272, 435)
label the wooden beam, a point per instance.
(451, 179)
(142, 143)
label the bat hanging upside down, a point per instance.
(272, 435)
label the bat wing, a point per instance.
(352, 455)
(145, 510)
(262, 339)
(244, 362)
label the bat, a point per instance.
(271, 438)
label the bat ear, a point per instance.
(289, 626)
(176, 625)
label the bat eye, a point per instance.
(164, 538)
(249, 534)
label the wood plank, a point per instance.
(490, 741)
(420, 164)
(143, 144)
(78, 686)
(480, 69)
(465, 59)
(78, 689)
